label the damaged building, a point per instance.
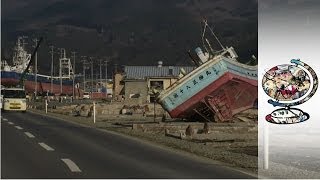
(137, 84)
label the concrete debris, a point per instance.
(244, 119)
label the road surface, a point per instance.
(36, 146)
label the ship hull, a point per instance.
(216, 91)
(42, 85)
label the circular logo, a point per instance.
(289, 85)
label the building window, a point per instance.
(170, 71)
(152, 99)
(156, 85)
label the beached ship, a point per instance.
(216, 90)
(34, 82)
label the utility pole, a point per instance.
(61, 52)
(106, 61)
(51, 87)
(36, 68)
(91, 61)
(84, 63)
(96, 80)
(62, 55)
(60, 76)
(74, 71)
(115, 68)
(100, 73)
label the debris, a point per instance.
(138, 127)
(167, 131)
(182, 135)
(189, 131)
(206, 128)
(163, 118)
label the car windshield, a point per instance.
(14, 94)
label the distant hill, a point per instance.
(132, 32)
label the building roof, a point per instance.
(142, 72)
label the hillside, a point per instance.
(139, 32)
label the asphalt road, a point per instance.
(35, 146)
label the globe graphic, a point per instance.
(286, 82)
(289, 85)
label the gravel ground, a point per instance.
(239, 150)
(293, 163)
(237, 154)
(285, 171)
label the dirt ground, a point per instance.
(235, 144)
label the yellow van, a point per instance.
(14, 99)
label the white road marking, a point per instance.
(46, 147)
(11, 123)
(72, 166)
(29, 134)
(4, 119)
(18, 127)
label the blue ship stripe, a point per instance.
(31, 77)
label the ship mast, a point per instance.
(65, 69)
(29, 63)
(20, 56)
(228, 52)
(207, 26)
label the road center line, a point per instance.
(18, 127)
(29, 134)
(11, 123)
(46, 147)
(72, 166)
